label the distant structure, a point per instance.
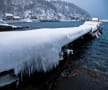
(9, 16)
(95, 19)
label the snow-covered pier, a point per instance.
(39, 50)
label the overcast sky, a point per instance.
(96, 8)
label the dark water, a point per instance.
(92, 54)
(96, 53)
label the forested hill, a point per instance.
(43, 9)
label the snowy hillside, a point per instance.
(42, 9)
(69, 11)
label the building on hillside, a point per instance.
(9, 16)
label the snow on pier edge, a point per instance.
(37, 49)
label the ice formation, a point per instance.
(37, 49)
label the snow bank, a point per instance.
(36, 49)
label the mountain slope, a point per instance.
(70, 11)
(42, 9)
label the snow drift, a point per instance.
(37, 50)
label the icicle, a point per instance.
(68, 52)
(99, 33)
(97, 36)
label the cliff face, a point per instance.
(42, 9)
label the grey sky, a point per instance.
(97, 8)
